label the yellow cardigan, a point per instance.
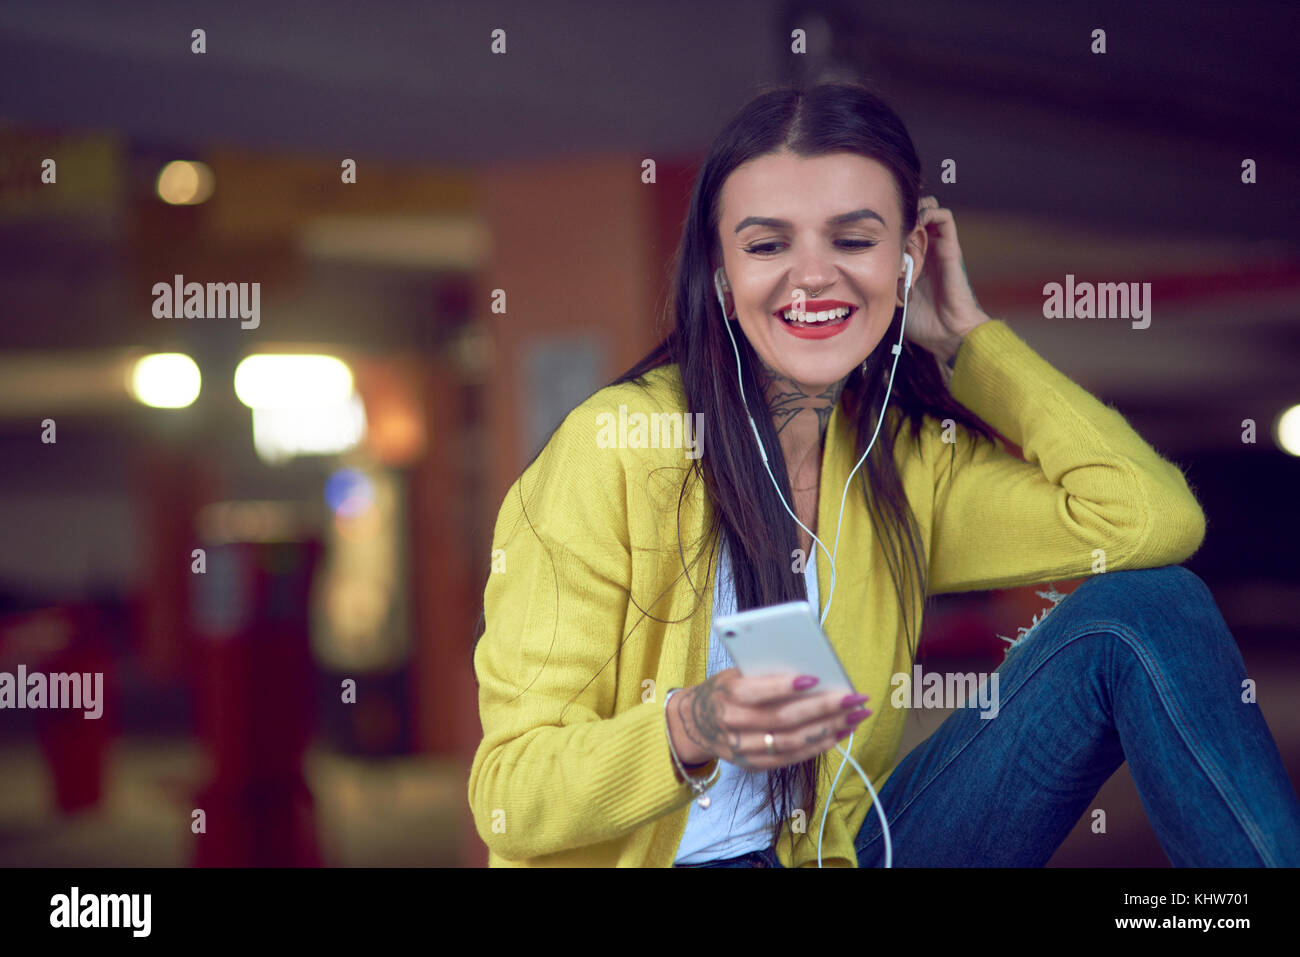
(574, 768)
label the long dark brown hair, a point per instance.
(746, 513)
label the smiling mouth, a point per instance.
(820, 319)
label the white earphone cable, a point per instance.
(897, 350)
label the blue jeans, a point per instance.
(1135, 665)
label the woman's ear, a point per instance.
(916, 244)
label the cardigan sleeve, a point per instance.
(557, 768)
(1090, 495)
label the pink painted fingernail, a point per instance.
(804, 682)
(843, 734)
(851, 699)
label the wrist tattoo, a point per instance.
(705, 731)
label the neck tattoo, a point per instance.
(788, 399)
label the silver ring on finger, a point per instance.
(769, 741)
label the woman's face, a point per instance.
(829, 225)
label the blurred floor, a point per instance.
(406, 811)
(391, 812)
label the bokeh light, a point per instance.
(185, 183)
(1286, 431)
(292, 381)
(166, 380)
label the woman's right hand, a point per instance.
(727, 716)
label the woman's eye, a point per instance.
(764, 249)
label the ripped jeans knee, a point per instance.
(1023, 633)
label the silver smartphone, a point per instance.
(779, 639)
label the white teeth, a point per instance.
(818, 316)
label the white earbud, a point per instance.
(907, 258)
(719, 284)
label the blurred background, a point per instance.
(271, 535)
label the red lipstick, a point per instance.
(817, 330)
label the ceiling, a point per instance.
(1127, 161)
(1182, 88)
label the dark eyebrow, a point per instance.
(839, 220)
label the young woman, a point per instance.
(616, 733)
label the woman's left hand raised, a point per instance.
(941, 307)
